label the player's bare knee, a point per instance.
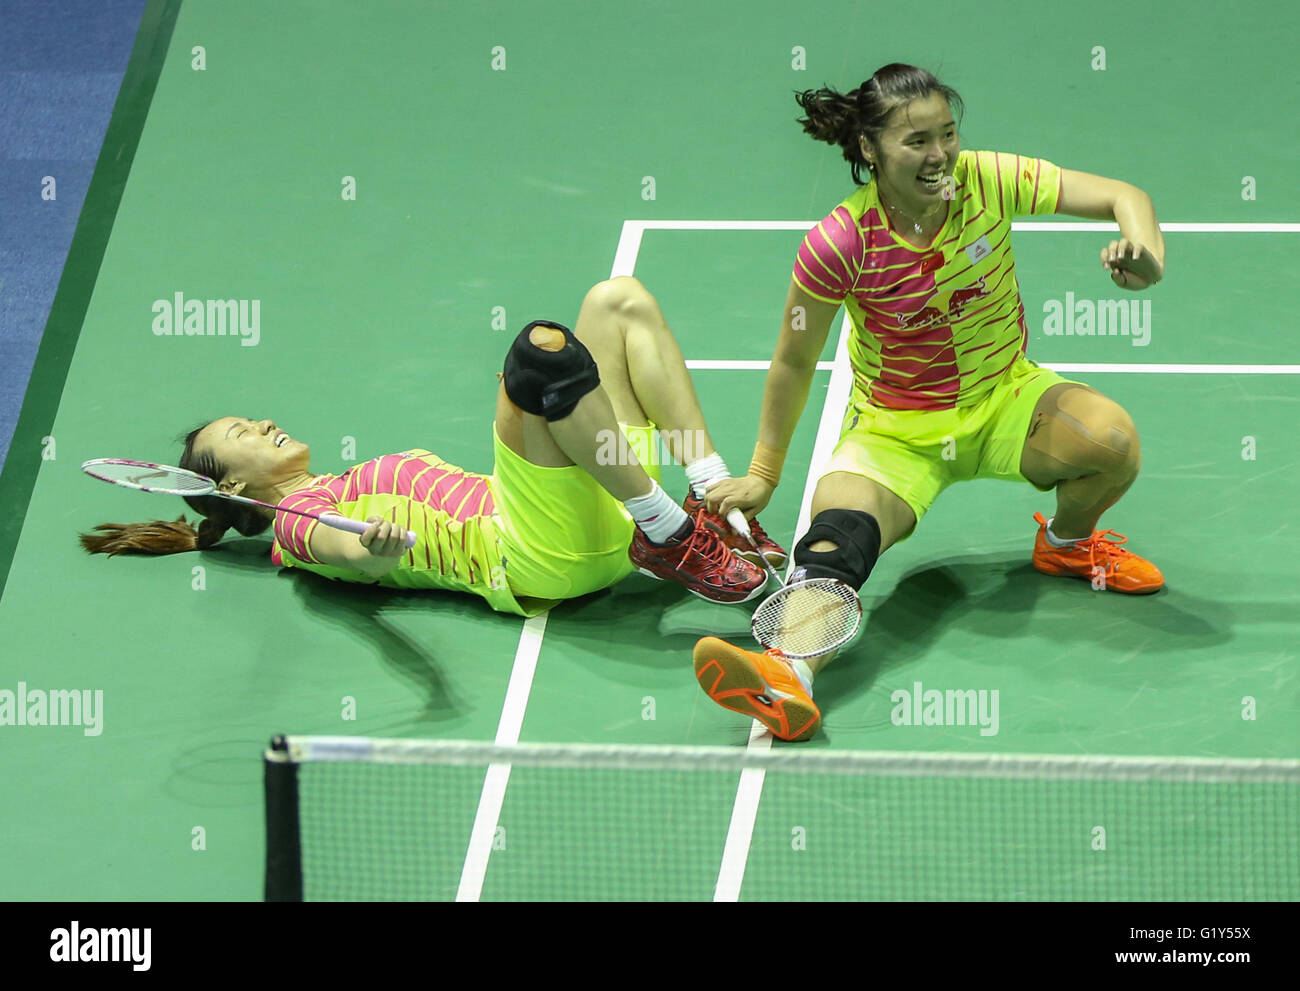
(546, 338)
(1118, 438)
(620, 295)
(1094, 433)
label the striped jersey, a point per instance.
(450, 510)
(934, 327)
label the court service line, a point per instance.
(707, 364)
(1046, 226)
(744, 811)
(492, 797)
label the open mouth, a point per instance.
(931, 182)
(282, 440)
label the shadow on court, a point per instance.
(1001, 599)
(361, 612)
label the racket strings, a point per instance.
(151, 477)
(808, 619)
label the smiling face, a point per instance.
(920, 140)
(255, 452)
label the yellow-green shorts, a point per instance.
(916, 454)
(561, 533)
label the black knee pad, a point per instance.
(857, 538)
(549, 383)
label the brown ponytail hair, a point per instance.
(839, 118)
(161, 537)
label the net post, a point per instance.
(283, 845)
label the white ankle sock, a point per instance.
(703, 473)
(1056, 541)
(656, 514)
(804, 674)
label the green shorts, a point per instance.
(916, 454)
(561, 533)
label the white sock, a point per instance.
(656, 514)
(704, 472)
(804, 674)
(1056, 541)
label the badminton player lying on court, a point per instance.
(558, 518)
(920, 256)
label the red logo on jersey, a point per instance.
(947, 306)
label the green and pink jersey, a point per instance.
(934, 327)
(450, 510)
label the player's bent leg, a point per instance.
(846, 490)
(1088, 446)
(644, 372)
(553, 378)
(642, 363)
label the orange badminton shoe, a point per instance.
(763, 686)
(1098, 559)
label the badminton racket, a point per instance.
(149, 477)
(741, 525)
(808, 618)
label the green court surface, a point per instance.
(479, 189)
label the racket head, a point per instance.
(149, 477)
(808, 618)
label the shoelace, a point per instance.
(755, 528)
(714, 550)
(1110, 551)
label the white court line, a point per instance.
(1053, 226)
(494, 784)
(829, 366)
(740, 831)
(521, 684)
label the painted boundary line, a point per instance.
(1054, 226)
(1057, 366)
(493, 795)
(740, 832)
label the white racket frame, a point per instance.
(784, 592)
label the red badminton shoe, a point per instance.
(775, 554)
(701, 562)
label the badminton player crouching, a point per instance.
(920, 257)
(558, 518)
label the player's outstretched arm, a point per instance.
(804, 327)
(373, 553)
(1137, 259)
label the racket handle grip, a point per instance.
(738, 522)
(358, 527)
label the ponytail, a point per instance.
(840, 118)
(160, 537)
